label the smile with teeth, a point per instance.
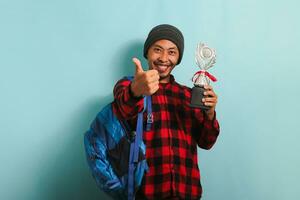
(161, 68)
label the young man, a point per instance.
(177, 129)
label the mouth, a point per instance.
(161, 68)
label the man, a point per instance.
(171, 143)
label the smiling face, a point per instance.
(163, 56)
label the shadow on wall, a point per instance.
(67, 175)
(123, 59)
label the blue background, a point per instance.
(59, 61)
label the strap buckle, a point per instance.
(150, 118)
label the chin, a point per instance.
(163, 77)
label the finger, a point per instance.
(153, 72)
(151, 76)
(208, 87)
(153, 79)
(151, 86)
(210, 104)
(209, 93)
(154, 84)
(210, 100)
(138, 65)
(154, 89)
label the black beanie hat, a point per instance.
(168, 32)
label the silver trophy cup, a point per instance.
(205, 58)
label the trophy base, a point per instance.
(197, 96)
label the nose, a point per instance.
(164, 56)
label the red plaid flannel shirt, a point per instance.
(171, 144)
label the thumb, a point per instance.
(138, 65)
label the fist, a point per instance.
(210, 99)
(144, 82)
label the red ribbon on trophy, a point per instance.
(206, 73)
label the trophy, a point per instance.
(205, 58)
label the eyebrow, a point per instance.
(156, 45)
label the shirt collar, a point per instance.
(172, 80)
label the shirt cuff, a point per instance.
(130, 98)
(211, 124)
(131, 93)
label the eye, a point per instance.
(157, 50)
(172, 53)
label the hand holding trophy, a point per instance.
(205, 59)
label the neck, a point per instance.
(164, 79)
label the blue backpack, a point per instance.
(116, 154)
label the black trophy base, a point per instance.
(197, 96)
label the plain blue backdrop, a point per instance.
(60, 59)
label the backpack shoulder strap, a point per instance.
(129, 77)
(134, 147)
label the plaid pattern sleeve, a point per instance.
(171, 143)
(125, 105)
(205, 131)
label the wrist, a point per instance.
(210, 114)
(132, 91)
